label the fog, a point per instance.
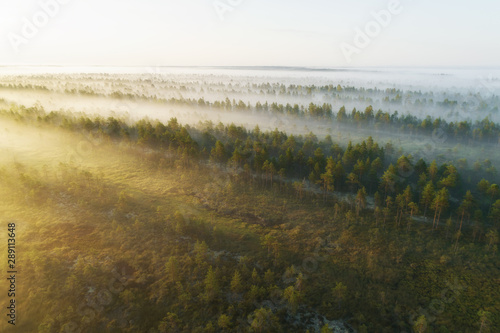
(421, 92)
(136, 93)
(26, 144)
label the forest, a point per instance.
(137, 224)
(230, 166)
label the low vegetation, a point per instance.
(160, 227)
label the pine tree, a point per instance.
(292, 296)
(420, 325)
(388, 180)
(427, 197)
(339, 292)
(172, 269)
(466, 207)
(413, 207)
(236, 284)
(211, 285)
(224, 322)
(440, 202)
(433, 170)
(360, 200)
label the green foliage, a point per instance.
(164, 240)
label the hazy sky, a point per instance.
(249, 32)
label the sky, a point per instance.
(313, 33)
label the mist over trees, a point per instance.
(319, 216)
